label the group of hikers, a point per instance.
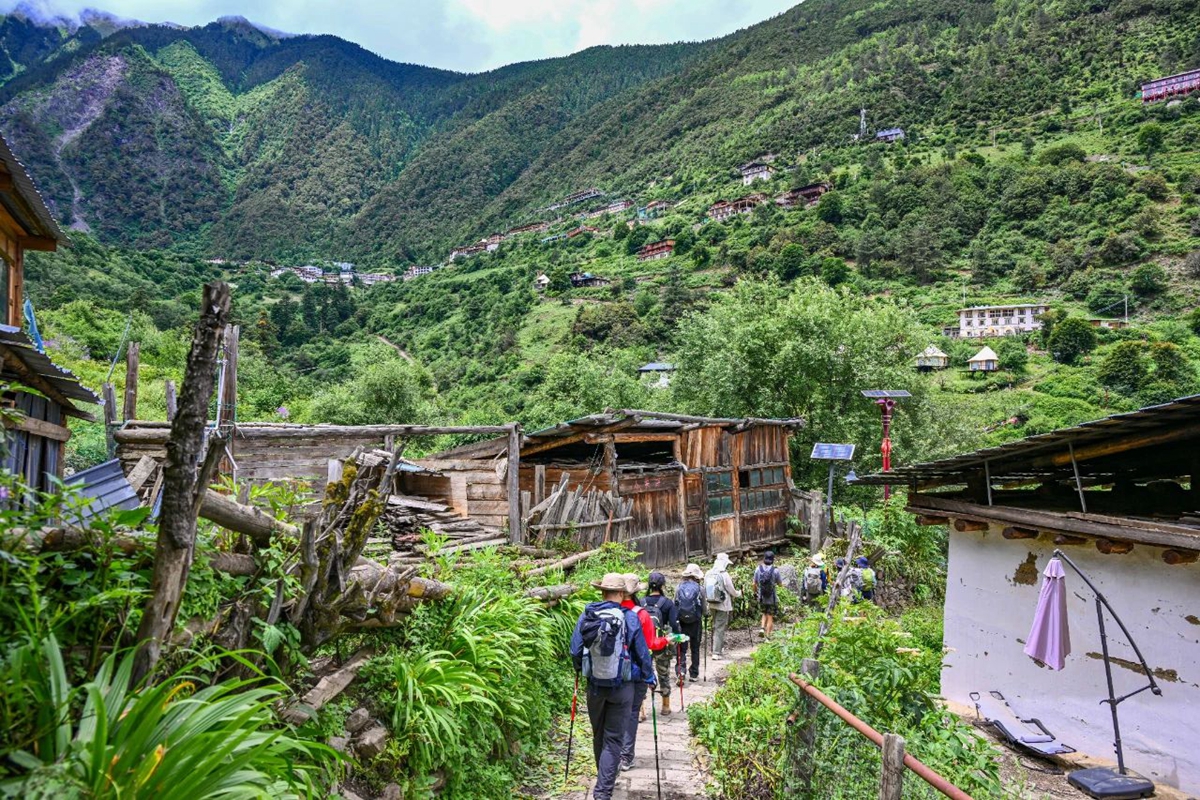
(625, 643)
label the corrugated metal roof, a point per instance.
(32, 197)
(62, 379)
(1012, 459)
(657, 366)
(106, 487)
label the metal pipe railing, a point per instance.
(923, 772)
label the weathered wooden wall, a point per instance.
(472, 487)
(36, 444)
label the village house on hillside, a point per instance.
(727, 209)
(1015, 320)
(803, 196)
(576, 197)
(416, 271)
(1171, 87)
(586, 280)
(656, 374)
(932, 358)
(1120, 497)
(542, 282)
(41, 395)
(890, 135)
(656, 250)
(1109, 324)
(654, 208)
(469, 250)
(756, 171)
(985, 360)
(582, 229)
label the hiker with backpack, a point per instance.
(663, 613)
(609, 648)
(690, 609)
(865, 582)
(655, 644)
(815, 581)
(720, 593)
(766, 578)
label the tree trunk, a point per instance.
(177, 518)
(255, 523)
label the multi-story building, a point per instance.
(657, 250)
(803, 196)
(1171, 86)
(756, 171)
(980, 321)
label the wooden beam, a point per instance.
(513, 477)
(1113, 547)
(1013, 532)
(1120, 444)
(1063, 539)
(44, 244)
(35, 381)
(963, 525)
(930, 519)
(6, 182)
(601, 438)
(1175, 557)
(157, 431)
(133, 357)
(172, 401)
(46, 430)
(1165, 536)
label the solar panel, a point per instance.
(873, 393)
(825, 451)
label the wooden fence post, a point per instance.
(109, 395)
(227, 402)
(891, 782)
(132, 358)
(802, 737)
(172, 401)
(185, 481)
(514, 484)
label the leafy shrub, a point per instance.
(1148, 279)
(1061, 154)
(869, 666)
(166, 741)
(1072, 338)
(1125, 368)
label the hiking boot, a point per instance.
(693, 678)
(666, 706)
(626, 766)
(716, 656)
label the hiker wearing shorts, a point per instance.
(609, 649)
(660, 607)
(766, 578)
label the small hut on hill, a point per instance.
(985, 360)
(932, 358)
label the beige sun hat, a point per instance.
(611, 582)
(693, 571)
(633, 584)
(817, 559)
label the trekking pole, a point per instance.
(571, 736)
(704, 648)
(657, 771)
(679, 673)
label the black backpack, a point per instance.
(687, 602)
(656, 613)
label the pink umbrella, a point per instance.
(1050, 637)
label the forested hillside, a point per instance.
(1030, 172)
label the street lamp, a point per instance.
(886, 400)
(833, 453)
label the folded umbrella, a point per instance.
(1049, 639)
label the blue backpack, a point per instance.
(687, 602)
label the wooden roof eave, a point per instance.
(1095, 526)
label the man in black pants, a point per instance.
(690, 609)
(609, 701)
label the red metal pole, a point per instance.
(886, 405)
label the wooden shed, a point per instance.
(697, 485)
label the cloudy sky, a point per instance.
(470, 35)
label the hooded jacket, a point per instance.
(720, 568)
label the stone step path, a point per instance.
(680, 773)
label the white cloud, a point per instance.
(471, 35)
